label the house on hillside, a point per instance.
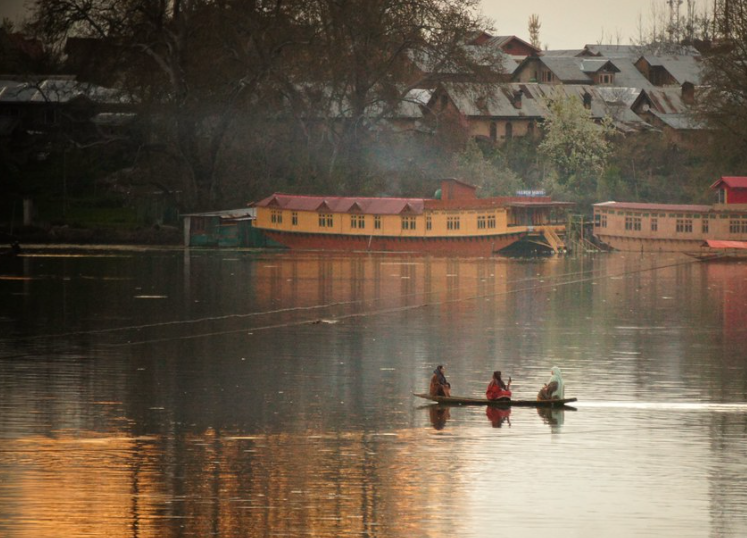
(566, 70)
(497, 113)
(669, 110)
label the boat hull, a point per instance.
(456, 400)
(482, 245)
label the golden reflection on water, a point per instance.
(230, 485)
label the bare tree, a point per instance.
(534, 30)
(724, 101)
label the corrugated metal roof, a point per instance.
(344, 204)
(497, 100)
(55, 91)
(681, 122)
(635, 206)
(614, 51)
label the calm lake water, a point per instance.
(159, 393)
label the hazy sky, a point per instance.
(571, 24)
(568, 24)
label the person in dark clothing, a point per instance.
(439, 385)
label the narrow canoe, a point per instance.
(458, 400)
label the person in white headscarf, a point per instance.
(554, 388)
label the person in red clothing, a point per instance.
(497, 389)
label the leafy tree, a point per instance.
(575, 145)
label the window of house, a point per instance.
(633, 224)
(509, 130)
(737, 226)
(452, 223)
(294, 218)
(491, 221)
(546, 76)
(358, 221)
(704, 226)
(654, 224)
(493, 131)
(605, 78)
(325, 220)
(276, 217)
(684, 226)
(428, 222)
(482, 222)
(408, 223)
(377, 222)
(444, 101)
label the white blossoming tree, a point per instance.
(574, 145)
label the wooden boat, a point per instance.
(722, 251)
(459, 400)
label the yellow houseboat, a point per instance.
(454, 223)
(675, 227)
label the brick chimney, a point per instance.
(688, 93)
(518, 95)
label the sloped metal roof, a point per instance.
(682, 68)
(568, 69)
(497, 101)
(55, 91)
(614, 51)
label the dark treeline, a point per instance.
(236, 99)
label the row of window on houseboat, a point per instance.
(358, 222)
(683, 223)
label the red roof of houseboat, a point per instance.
(654, 207)
(733, 182)
(344, 204)
(726, 244)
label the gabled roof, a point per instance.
(498, 101)
(566, 68)
(343, 204)
(595, 65)
(681, 68)
(733, 182)
(501, 42)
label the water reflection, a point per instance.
(498, 416)
(245, 394)
(439, 414)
